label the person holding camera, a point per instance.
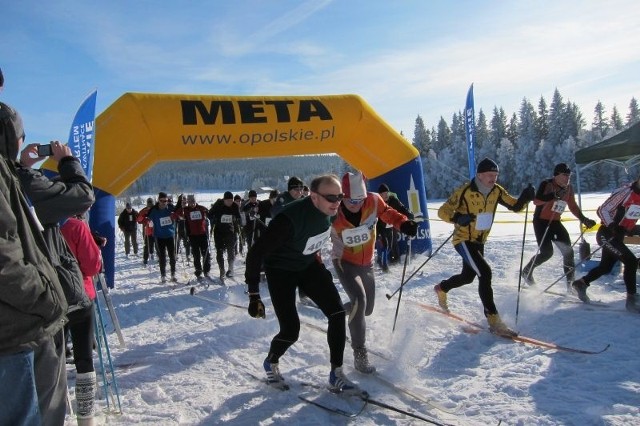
(32, 302)
(471, 208)
(55, 200)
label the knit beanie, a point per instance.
(353, 186)
(487, 165)
(294, 182)
(162, 195)
(228, 196)
(383, 188)
(253, 193)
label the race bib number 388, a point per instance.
(316, 242)
(356, 236)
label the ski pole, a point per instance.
(404, 270)
(389, 296)
(524, 236)
(569, 271)
(535, 256)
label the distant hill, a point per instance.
(251, 173)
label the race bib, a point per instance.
(226, 218)
(195, 215)
(315, 243)
(130, 218)
(166, 221)
(633, 212)
(559, 206)
(484, 221)
(353, 237)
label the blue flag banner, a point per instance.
(470, 128)
(82, 134)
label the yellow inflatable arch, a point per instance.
(139, 130)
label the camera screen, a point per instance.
(44, 150)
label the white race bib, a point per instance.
(633, 212)
(559, 206)
(166, 221)
(195, 215)
(226, 218)
(484, 221)
(353, 237)
(315, 243)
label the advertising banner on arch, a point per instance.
(470, 128)
(406, 182)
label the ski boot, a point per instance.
(496, 326)
(580, 287)
(361, 361)
(442, 297)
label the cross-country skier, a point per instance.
(290, 249)
(554, 195)
(618, 214)
(224, 216)
(388, 249)
(147, 232)
(196, 223)
(353, 234)
(471, 208)
(163, 218)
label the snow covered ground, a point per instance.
(186, 358)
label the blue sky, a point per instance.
(405, 58)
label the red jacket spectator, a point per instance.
(78, 236)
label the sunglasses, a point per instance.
(163, 200)
(332, 198)
(354, 201)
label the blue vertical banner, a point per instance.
(407, 182)
(470, 129)
(82, 134)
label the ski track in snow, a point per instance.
(185, 359)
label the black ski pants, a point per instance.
(317, 283)
(473, 264)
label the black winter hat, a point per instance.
(294, 182)
(561, 168)
(228, 196)
(162, 195)
(253, 193)
(127, 206)
(237, 198)
(487, 165)
(383, 188)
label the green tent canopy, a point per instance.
(622, 150)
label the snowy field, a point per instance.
(186, 359)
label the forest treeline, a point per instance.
(526, 145)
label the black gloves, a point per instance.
(588, 223)
(409, 228)
(527, 195)
(463, 219)
(256, 307)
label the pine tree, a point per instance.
(542, 122)
(527, 144)
(616, 121)
(634, 112)
(421, 137)
(599, 126)
(512, 129)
